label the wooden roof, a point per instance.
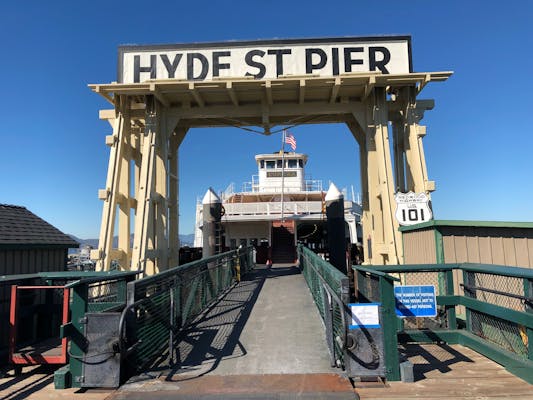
(247, 102)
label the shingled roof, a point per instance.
(19, 226)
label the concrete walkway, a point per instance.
(268, 324)
(264, 339)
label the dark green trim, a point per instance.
(448, 300)
(517, 317)
(415, 267)
(62, 378)
(390, 338)
(450, 309)
(516, 272)
(78, 308)
(473, 224)
(528, 292)
(439, 247)
(375, 272)
(514, 364)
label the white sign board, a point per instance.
(412, 208)
(265, 59)
(364, 315)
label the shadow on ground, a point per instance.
(214, 335)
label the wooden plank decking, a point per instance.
(450, 372)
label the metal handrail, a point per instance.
(375, 272)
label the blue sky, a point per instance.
(53, 159)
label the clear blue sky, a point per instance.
(53, 160)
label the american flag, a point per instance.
(289, 139)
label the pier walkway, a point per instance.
(262, 337)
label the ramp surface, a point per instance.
(263, 340)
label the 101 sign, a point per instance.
(412, 208)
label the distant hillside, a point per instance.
(185, 240)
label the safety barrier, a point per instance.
(331, 293)
(160, 305)
(485, 307)
(36, 308)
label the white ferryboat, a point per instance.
(278, 209)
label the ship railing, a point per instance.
(272, 208)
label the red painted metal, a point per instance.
(35, 358)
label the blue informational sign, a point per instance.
(415, 301)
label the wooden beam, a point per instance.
(107, 114)
(232, 94)
(369, 87)
(196, 94)
(256, 110)
(105, 95)
(268, 88)
(335, 90)
(423, 83)
(301, 97)
(159, 96)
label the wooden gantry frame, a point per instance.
(151, 119)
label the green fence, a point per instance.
(160, 305)
(485, 307)
(331, 293)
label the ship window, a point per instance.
(292, 164)
(262, 163)
(301, 163)
(270, 164)
(280, 163)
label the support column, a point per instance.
(417, 178)
(116, 191)
(144, 225)
(151, 237)
(381, 238)
(173, 204)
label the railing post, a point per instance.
(78, 343)
(450, 310)
(469, 280)
(390, 335)
(528, 294)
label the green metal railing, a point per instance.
(485, 307)
(160, 305)
(102, 292)
(331, 293)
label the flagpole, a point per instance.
(282, 172)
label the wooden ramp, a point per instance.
(450, 372)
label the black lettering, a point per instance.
(217, 66)
(335, 60)
(279, 59)
(373, 63)
(348, 60)
(190, 66)
(171, 67)
(249, 59)
(137, 69)
(309, 65)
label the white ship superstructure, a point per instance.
(278, 209)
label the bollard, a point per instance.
(212, 213)
(335, 225)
